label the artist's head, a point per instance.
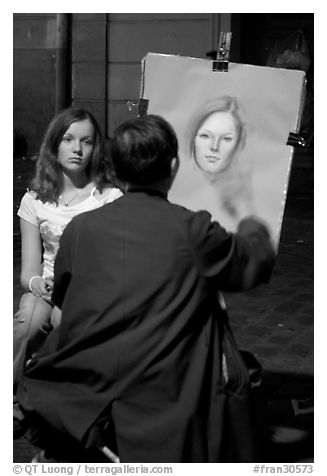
(144, 151)
(216, 133)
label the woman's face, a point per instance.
(76, 147)
(215, 142)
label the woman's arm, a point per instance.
(31, 264)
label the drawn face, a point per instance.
(76, 147)
(215, 142)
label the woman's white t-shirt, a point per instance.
(51, 219)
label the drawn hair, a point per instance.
(222, 104)
(47, 181)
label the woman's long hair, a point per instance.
(48, 179)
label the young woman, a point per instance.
(70, 178)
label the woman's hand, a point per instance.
(41, 287)
(48, 287)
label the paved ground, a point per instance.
(274, 323)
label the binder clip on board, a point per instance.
(296, 140)
(221, 63)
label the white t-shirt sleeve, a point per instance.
(112, 195)
(27, 209)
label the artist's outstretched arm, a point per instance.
(233, 261)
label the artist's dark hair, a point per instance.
(221, 104)
(48, 179)
(142, 150)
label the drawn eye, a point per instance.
(203, 135)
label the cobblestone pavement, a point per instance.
(275, 323)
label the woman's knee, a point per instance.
(55, 317)
(33, 313)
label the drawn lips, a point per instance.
(212, 158)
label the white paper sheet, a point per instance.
(270, 100)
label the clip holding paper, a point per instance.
(295, 140)
(141, 106)
(221, 63)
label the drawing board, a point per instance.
(269, 102)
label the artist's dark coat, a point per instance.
(143, 332)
